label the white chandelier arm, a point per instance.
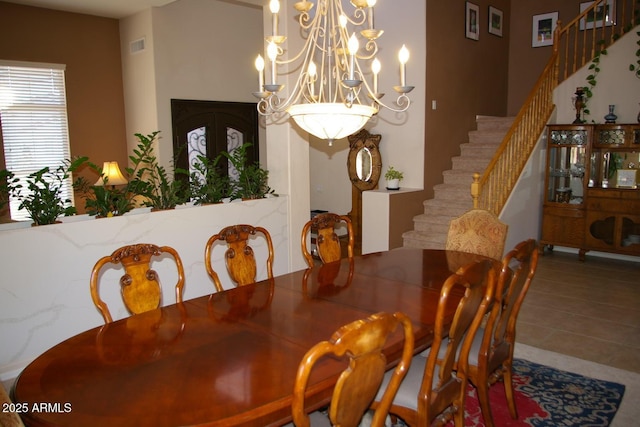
(330, 97)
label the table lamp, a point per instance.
(111, 175)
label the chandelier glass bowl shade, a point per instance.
(330, 98)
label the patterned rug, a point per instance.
(548, 397)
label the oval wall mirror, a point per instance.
(364, 162)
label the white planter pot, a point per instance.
(393, 184)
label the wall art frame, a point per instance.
(604, 13)
(472, 19)
(542, 29)
(495, 21)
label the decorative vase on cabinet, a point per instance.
(611, 117)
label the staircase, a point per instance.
(452, 198)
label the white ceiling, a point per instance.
(112, 8)
(106, 8)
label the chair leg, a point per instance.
(458, 416)
(482, 388)
(508, 390)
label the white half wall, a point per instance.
(44, 293)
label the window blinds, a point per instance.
(33, 113)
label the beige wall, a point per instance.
(90, 48)
(466, 78)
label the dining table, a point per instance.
(230, 358)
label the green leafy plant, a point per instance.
(252, 181)
(594, 68)
(207, 183)
(151, 180)
(104, 200)
(42, 198)
(391, 173)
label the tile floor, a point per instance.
(589, 310)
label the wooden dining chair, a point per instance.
(239, 256)
(477, 231)
(359, 343)
(140, 285)
(433, 390)
(491, 355)
(328, 243)
(9, 417)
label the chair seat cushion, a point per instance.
(407, 395)
(473, 351)
(316, 419)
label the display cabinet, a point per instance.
(564, 216)
(592, 200)
(613, 199)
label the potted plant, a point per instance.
(151, 180)
(207, 185)
(252, 181)
(43, 198)
(104, 200)
(393, 178)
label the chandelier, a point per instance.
(330, 99)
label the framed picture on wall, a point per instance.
(495, 21)
(543, 27)
(472, 29)
(604, 13)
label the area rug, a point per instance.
(549, 397)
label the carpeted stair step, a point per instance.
(451, 192)
(482, 150)
(458, 176)
(492, 123)
(416, 239)
(474, 164)
(451, 209)
(438, 224)
(493, 137)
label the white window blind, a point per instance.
(33, 113)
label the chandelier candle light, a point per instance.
(330, 98)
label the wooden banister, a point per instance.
(573, 48)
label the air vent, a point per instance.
(136, 46)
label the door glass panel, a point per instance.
(196, 146)
(235, 139)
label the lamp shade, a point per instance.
(111, 175)
(331, 120)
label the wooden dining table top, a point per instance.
(230, 358)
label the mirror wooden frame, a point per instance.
(357, 142)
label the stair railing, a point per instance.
(574, 46)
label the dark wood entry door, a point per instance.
(208, 127)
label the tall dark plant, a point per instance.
(252, 180)
(207, 183)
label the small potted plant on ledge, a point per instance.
(393, 178)
(252, 181)
(43, 196)
(151, 180)
(206, 183)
